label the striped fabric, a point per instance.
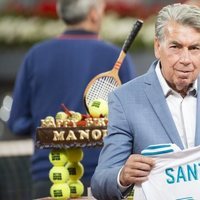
(159, 149)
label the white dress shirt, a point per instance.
(183, 109)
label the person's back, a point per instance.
(57, 71)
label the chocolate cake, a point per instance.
(76, 130)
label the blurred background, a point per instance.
(25, 22)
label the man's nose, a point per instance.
(185, 56)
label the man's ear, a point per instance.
(93, 14)
(157, 48)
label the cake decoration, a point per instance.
(71, 129)
(66, 134)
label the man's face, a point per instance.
(179, 54)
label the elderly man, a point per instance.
(161, 106)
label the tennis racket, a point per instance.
(101, 85)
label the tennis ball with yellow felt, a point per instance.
(74, 154)
(76, 188)
(60, 191)
(75, 170)
(58, 157)
(58, 174)
(61, 116)
(98, 108)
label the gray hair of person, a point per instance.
(183, 14)
(75, 11)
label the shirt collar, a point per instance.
(78, 34)
(167, 90)
(193, 90)
(165, 87)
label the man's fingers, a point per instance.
(136, 169)
(141, 159)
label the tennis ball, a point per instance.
(75, 116)
(58, 157)
(58, 174)
(98, 107)
(60, 191)
(74, 154)
(75, 170)
(61, 116)
(76, 188)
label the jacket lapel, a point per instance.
(197, 136)
(155, 95)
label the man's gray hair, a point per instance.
(183, 14)
(75, 11)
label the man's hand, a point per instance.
(136, 169)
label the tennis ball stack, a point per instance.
(76, 171)
(59, 175)
(66, 173)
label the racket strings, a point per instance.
(101, 88)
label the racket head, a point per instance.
(100, 86)
(104, 83)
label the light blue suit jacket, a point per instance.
(139, 117)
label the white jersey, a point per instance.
(176, 175)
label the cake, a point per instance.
(71, 129)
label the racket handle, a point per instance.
(136, 28)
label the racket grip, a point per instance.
(136, 28)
